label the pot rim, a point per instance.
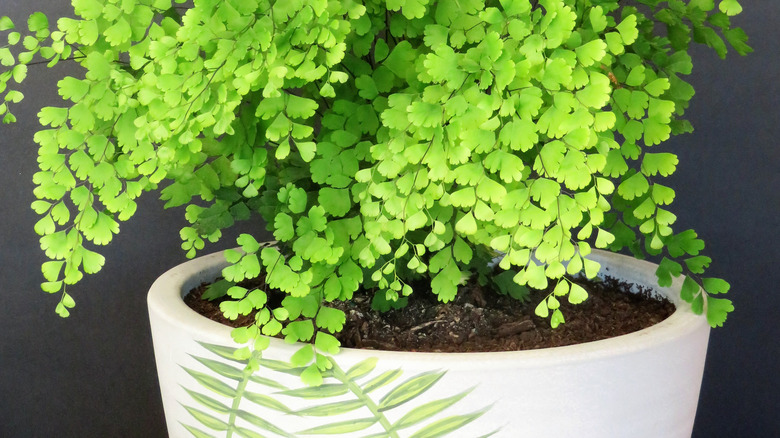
(165, 300)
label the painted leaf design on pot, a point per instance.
(221, 368)
(212, 383)
(318, 392)
(428, 410)
(346, 426)
(212, 404)
(266, 382)
(328, 409)
(207, 420)
(409, 390)
(196, 432)
(358, 399)
(218, 415)
(266, 401)
(446, 425)
(262, 424)
(381, 380)
(363, 368)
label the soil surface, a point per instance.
(480, 319)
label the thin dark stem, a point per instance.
(74, 58)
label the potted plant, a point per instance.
(389, 146)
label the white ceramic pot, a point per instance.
(644, 384)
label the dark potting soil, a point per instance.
(481, 320)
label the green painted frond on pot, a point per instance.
(197, 433)
(328, 408)
(360, 383)
(382, 380)
(207, 420)
(362, 398)
(223, 415)
(428, 410)
(221, 368)
(444, 426)
(266, 382)
(262, 424)
(342, 427)
(317, 392)
(213, 384)
(490, 434)
(208, 402)
(409, 390)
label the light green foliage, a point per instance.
(382, 142)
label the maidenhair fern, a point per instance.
(382, 142)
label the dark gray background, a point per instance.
(92, 375)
